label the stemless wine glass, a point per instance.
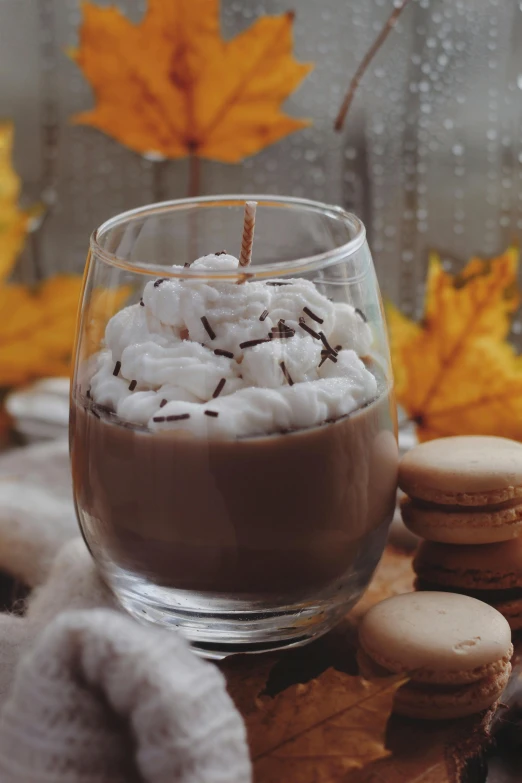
(233, 430)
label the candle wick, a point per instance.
(247, 239)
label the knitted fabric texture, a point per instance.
(36, 509)
(101, 699)
(87, 694)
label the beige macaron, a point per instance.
(455, 649)
(463, 490)
(491, 573)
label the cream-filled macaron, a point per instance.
(463, 490)
(491, 573)
(456, 651)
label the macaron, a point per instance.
(463, 490)
(456, 651)
(491, 573)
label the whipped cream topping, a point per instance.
(219, 358)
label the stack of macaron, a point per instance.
(454, 650)
(464, 497)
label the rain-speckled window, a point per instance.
(431, 155)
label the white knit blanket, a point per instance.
(88, 695)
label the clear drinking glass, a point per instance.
(233, 430)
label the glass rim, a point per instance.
(279, 269)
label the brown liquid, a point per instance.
(282, 514)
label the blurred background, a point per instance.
(430, 157)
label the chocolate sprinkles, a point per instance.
(286, 373)
(178, 417)
(338, 348)
(263, 315)
(327, 344)
(221, 352)
(308, 329)
(117, 368)
(163, 403)
(252, 343)
(361, 315)
(158, 418)
(221, 253)
(219, 388)
(159, 281)
(142, 303)
(213, 414)
(277, 282)
(281, 331)
(209, 330)
(132, 385)
(313, 316)
(327, 355)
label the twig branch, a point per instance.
(365, 62)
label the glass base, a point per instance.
(222, 626)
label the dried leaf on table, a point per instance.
(14, 221)
(171, 86)
(455, 372)
(319, 730)
(394, 575)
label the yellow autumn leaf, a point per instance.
(172, 86)
(13, 220)
(455, 372)
(38, 326)
(104, 302)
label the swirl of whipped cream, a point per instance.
(221, 359)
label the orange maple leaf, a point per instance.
(171, 86)
(455, 372)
